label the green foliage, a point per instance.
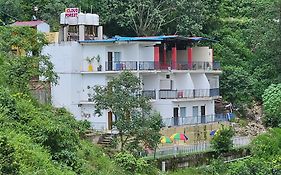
(8, 164)
(265, 158)
(272, 105)
(222, 140)
(136, 124)
(236, 84)
(267, 145)
(133, 165)
(35, 138)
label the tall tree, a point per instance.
(136, 124)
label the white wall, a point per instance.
(200, 81)
(146, 53)
(182, 56)
(66, 56)
(150, 82)
(213, 80)
(165, 107)
(93, 51)
(183, 81)
(91, 80)
(201, 54)
(129, 51)
(43, 27)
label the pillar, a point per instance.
(189, 58)
(156, 57)
(81, 32)
(100, 32)
(174, 57)
(164, 54)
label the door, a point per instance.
(176, 116)
(109, 61)
(183, 115)
(203, 116)
(195, 114)
(109, 115)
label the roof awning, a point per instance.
(150, 38)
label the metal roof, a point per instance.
(148, 38)
(27, 23)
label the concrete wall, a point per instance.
(183, 81)
(182, 56)
(146, 53)
(201, 54)
(213, 81)
(165, 107)
(200, 81)
(93, 51)
(43, 27)
(150, 82)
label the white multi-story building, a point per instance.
(180, 78)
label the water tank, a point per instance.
(92, 19)
(62, 18)
(81, 18)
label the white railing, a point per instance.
(195, 148)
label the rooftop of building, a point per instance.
(28, 23)
(150, 38)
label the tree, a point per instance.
(135, 123)
(222, 140)
(272, 105)
(151, 17)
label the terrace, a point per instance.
(152, 65)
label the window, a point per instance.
(117, 56)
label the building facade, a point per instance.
(180, 78)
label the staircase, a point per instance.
(106, 139)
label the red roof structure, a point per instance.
(28, 23)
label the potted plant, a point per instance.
(98, 61)
(89, 93)
(90, 66)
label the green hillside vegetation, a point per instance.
(36, 138)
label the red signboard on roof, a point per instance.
(71, 12)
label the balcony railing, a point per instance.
(121, 65)
(151, 94)
(196, 65)
(189, 93)
(191, 120)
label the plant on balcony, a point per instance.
(90, 66)
(98, 61)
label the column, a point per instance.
(174, 57)
(189, 57)
(164, 54)
(156, 57)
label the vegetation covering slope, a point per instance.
(36, 138)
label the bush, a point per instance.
(134, 165)
(272, 105)
(222, 140)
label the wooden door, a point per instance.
(109, 61)
(203, 115)
(176, 116)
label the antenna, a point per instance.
(91, 8)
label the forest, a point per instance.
(248, 46)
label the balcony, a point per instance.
(191, 120)
(121, 65)
(188, 93)
(196, 65)
(150, 94)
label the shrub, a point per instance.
(222, 140)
